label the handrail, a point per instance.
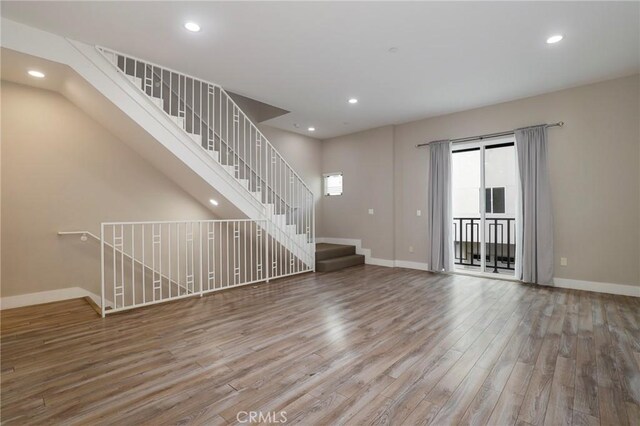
(207, 124)
(83, 233)
(205, 109)
(247, 196)
(106, 49)
(94, 236)
(207, 255)
(486, 218)
(168, 86)
(161, 222)
(218, 134)
(212, 84)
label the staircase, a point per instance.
(194, 133)
(331, 257)
(214, 122)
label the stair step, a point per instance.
(214, 154)
(269, 209)
(280, 220)
(197, 138)
(135, 80)
(327, 251)
(298, 239)
(229, 168)
(179, 121)
(158, 101)
(336, 263)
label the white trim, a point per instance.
(423, 266)
(381, 262)
(40, 297)
(359, 249)
(622, 289)
(346, 241)
(597, 287)
(488, 275)
(368, 259)
(324, 184)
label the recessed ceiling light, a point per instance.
(353, 101)
(36, 74)
(214, 202)
(554, 39)
(312, 129)
(192, 26)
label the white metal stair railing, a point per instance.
(215, 122)
(145, 263)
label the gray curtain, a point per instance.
(439, 208)
(534, 236)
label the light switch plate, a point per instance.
(370, 211)
(418, 212)
(563, 261)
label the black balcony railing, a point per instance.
(499, 247)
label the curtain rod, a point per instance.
(487, 136)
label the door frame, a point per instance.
(481, 144)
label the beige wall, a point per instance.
(63, 171)
(303, 153)
(366, 161)
(595, 176)
(72, 163)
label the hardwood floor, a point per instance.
(364, 345)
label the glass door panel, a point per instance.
(500, 207)
(466, 176)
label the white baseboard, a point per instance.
(412, 265)
(46, 297)
(368, 259)
(610, 288)
(345, 241)
(380, 262)
(78, 292)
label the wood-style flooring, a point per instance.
(364, 345)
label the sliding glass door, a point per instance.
(484, 203)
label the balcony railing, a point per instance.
(499, 247)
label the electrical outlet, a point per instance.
(418, 212)
(410, 249)
(563, 261)
(370, 211)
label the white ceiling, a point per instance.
(310, 57)
(62, 79)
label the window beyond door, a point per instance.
(494, 200)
